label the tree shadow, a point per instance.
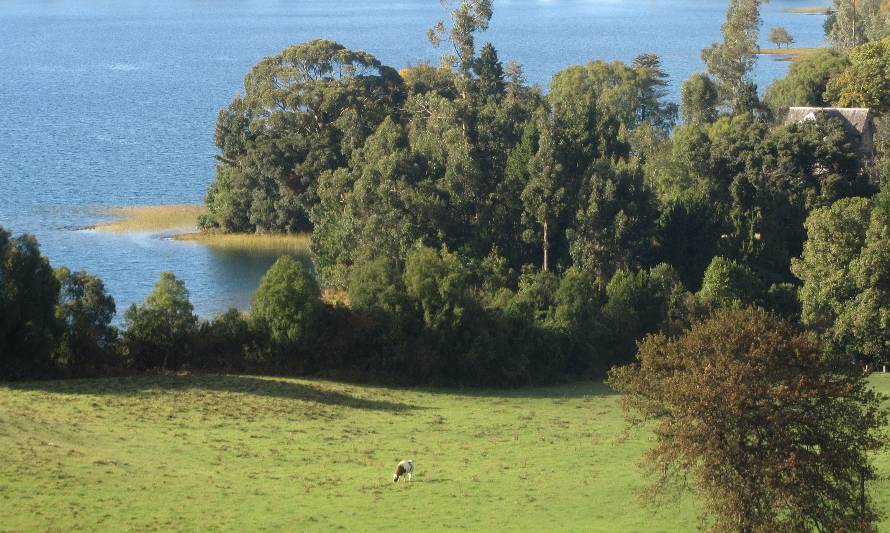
(579, 389)
(259, 386)
(553, 392)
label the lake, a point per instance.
(113, 103)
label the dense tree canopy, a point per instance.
(303, 112)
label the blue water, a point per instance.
(113, 103)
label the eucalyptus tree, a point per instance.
(730, 62)
(468, 18)
(544, 195)
(856, 22)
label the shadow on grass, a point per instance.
(554, 392)
(270, 387)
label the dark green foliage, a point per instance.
(225, 343)
(303, 113)
(29, 293)
(88, 344)
(615, 226)
(639, 303)
(846, 276)
(689, 230)
(729, 284)
(805, 83)
(699, 99)
(160, 332)
(489, 73)
(286, 307)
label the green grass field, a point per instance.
(208, 453)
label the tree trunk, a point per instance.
(546, 248)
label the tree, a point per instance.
(775, 436)
(639, 303)
(779, 36)
(303, 112)
(730, 62)
(373, 209)
(853, 23)
(652, 84)
(615, 222)
(806, 82)
(489, 73)
(689, 229)
(543, 195)
(469, 17)
(866, 82)
(28, 295)
(845, 274)
(160, 331)
(729, 284)
(699, 99)
(287, 304)
(224, 342)
(87, 344)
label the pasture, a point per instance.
(237, 453)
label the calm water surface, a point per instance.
(106, 104)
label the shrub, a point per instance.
(729, 284)
(222, 343)
(88, 344)
(28, 295)
(286, 307)
(160, 331)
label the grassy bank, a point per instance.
(294, 243)
(183, 218)
(152, 218)
(248, 453)
(809, 10)
(792, 54)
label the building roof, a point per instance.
(857, 117)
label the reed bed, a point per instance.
(266, 242)
(152, 218)
(808, 10)
(794, 54)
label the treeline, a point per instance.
(488, 233)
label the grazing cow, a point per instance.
(404, 468)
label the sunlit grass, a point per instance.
(793, 54)
(244, 453)
(152, 218)
(273, 242)
(808, 10)
(333, 296)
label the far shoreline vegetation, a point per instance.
(721, 263)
